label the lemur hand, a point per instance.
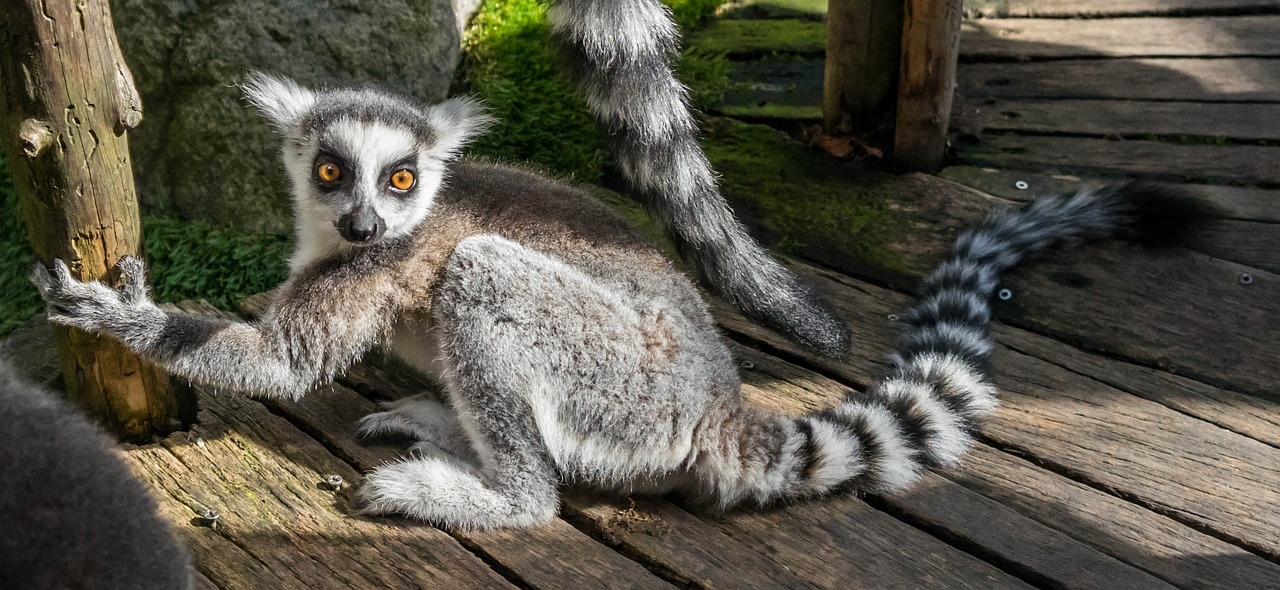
(93, 306)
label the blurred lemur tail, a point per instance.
(923, 414)
(619, 55)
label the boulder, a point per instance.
(201, 152)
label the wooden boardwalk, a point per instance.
(1138, 441)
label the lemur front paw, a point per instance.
(91, 306)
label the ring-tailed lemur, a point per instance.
(569, 346)
(71, 512)
(619, 55)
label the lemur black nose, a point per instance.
(360, 228)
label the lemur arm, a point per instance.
(306, 337)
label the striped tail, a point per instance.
(619, 56)
(923, 415)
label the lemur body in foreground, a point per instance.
(569, 346)
(71, 512)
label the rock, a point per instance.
(201, 152)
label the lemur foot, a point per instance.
(93, 306)
(444, 491)
(426, 420)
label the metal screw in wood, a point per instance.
(211, 518)
(335, 482)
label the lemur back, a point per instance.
(570, 348)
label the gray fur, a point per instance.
(570, 348)
(618, 54)
(72, 515)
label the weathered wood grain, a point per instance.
(1129, 118)
(1175, 464)
(1188, 79)
(1134, 535)
(864, 46)
(1113, 8)
(1238, 236)
(1248, 164)
(679, 544)
(1174, 552)
(279, 526)
(1247, 415)
(840, 542)
(1244, 36)
(1039, 553)
(926, 85)
(1233, 202)
(1155, 308)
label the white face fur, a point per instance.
(364, 165)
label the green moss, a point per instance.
(749, 38)
(787, 112)
(805, 202)
(814, 9)
(511, 63)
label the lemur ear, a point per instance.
(457, 121)
(281, 100)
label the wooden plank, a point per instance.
(1247, 415)
(1040, 554)
(1246, 241)
(1234, 202)
(279, 527)
(926, 84)
(1113, 8)
(1188, 79)
(840, 543)
(1129, 118)
(1162, 458)
(1132, 534)
(1113, 298)
(1171, 161)
(1176, 553)
(685, 549)
(748, 39)
(1243, 36)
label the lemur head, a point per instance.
(366, 161)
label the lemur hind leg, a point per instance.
(432, 425)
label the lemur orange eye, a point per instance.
(328, 172)
(402, 180)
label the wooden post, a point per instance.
(930, 46)
(864, 39)
(67, 99)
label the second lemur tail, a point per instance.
(924, 413)
(619, 55)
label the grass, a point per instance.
(511, 63)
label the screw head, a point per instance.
(1022, 185)
(1246, 278)
(1005, 294)
(335, 482)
